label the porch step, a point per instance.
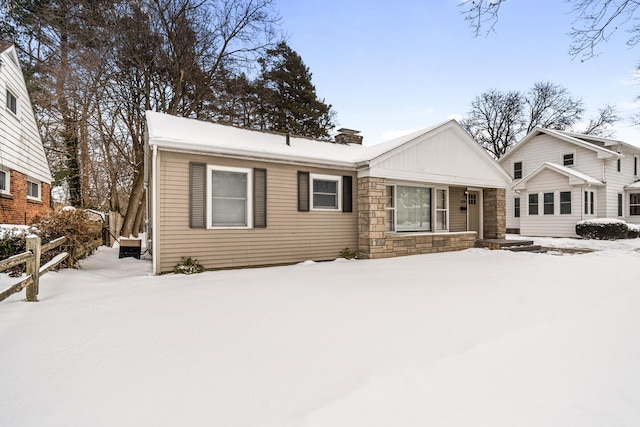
(509, 245)
(527, 248)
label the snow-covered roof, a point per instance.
(178, 133)
(575, 177)
(576, 139)
(634, 186)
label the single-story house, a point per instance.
(233, 197)
(560, 178)
(25, 178)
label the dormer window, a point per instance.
(517, 170)
(568, 159)
(12, 102)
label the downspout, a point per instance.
(154, 212)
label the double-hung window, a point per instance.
(567, 159)
(33, 189)
(517, 170)
(620, 207)
(325, 190)
(565, 203)
(4, 181)
(634, 204)
(229, 202)
(589, 202)
(548, 204)
(533, 204)
(391, 208)
(441, 209)
(12, 102)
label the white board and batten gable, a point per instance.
(21, 147)
(443, 154)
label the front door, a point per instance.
(473, 212)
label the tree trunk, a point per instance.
(134, 204)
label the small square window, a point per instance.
(12, 102)
(567, 159)
(517, 170)
(33, 189)
(325, 190)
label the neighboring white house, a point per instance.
(560, 178)
(25, 178)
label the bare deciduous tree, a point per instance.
(497, 120)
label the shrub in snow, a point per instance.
(348, 253)
(188, 265)
(13, 242)
(602, 229)
(634, 231)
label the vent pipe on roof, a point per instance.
(288, 141)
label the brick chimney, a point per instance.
(348, 136)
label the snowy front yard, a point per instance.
(474, 338)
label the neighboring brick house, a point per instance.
(25, 178)
(233, 197)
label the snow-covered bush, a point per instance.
(347, 253)
(604, 229)
(634, 231)
(188, 265)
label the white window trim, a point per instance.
(249, 212)
(595, 203)
(7, 181)
(39, 184)
(6, 106)
(513, 170)
(320, 177)
(631, 205)
(436, 209)
(575, 158)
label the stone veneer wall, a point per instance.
(374, 242)
(495, 213)
(15, 208)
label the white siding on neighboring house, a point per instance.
(556, 224)
(20, 144)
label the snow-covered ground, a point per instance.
(473, 338)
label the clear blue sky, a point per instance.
(389, 67)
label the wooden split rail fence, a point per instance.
(31, 257)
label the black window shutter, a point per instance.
(347, 194)
(260, 198)
(197, 195)
(303, 191)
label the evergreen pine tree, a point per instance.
(289, 99)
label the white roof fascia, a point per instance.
(575, 177)
(182, 147)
